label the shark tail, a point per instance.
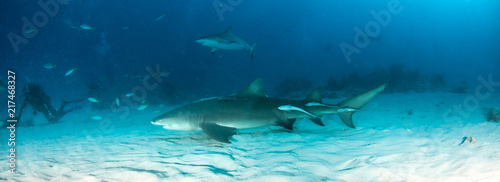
(251, 50)
(357, 102)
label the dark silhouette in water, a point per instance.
(40, 101)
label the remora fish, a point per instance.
(70, 71)
(226, 41)
(49, 66)
(251, 108)
(86, 27)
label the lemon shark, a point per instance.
(219, 117)
(226, 41)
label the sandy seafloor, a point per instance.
(399, 137)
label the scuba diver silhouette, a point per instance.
(40, 101)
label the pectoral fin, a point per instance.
(287, 124)
(283, 120)
(218, 132)
(317, 121)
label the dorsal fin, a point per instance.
(315, 96)
(229, 29)
(253, 90)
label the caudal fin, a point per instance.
(251, 50)
(357, 102)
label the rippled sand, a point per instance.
(400, 137)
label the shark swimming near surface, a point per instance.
(226, 41)
(251, 108)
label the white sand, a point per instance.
(388, 145)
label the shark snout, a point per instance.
(200, 40)
(155, 122)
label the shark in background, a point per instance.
(226, 41)
(251, 108)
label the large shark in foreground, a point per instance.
(251, 108)
(226, 41)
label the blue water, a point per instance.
(425, 46)
(294, 39)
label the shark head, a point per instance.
(207, 41)
(174, 120)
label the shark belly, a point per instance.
(231, 46)
(230, 43)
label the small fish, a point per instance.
(69, 71)
(125, 28)
(142, 107)
(29, 30)
(117, 101)
(92, 99)
(347, 109)
(160, 17)
(86, 27)
(49, 66)
(96, 118)
(129, 94)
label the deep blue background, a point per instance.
(298, 39)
